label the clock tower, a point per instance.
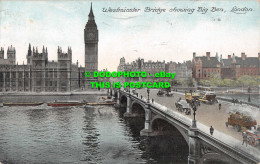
(91, 46)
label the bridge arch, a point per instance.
(123, 99)
(138, 109)
(166, 126)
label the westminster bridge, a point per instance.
(203, 147)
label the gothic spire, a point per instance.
(91, 15)
(29, 50)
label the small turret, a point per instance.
(29, 55)
(59, 50)
(122, 61)
(2, 53)
(63, 55)
(11, 55)
(29, 51)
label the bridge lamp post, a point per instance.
(148, 92)
(249, 89)
(194, 108)
(129, 89)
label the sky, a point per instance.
(169, 36)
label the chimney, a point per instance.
(229, 56)
(243, 56)
(208, 55)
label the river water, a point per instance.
(255, 98)
(99, 134)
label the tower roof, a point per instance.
(91, 12)
(91, 20)
(11, 48)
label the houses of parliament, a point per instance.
(41, 75)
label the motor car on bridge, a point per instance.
(183, 106)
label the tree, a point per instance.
(215, 80)
(228, 82)
(246, 81)
(190, 82)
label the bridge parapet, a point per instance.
(203, 147)
(220, 147)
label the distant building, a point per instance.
(204, 66)
(231, 68)
(181, 70)
(123, 66)
(234, 67)
(41, 75)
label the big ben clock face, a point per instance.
(90, 36)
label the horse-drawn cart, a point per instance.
(253, 137)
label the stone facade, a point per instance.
(91, 46)
(41, 75)
(231, 68)
(181, 70)
(10, 56)
(204, 66)
(234, 67)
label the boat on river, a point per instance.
(66, 103)
(102, 103)
(22, 103)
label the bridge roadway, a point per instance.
(209, 115)
(203, 148)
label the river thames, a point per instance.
(98, 134)
(255, 98)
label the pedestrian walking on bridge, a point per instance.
(244, 138)
(179, 99)
(211, 130)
